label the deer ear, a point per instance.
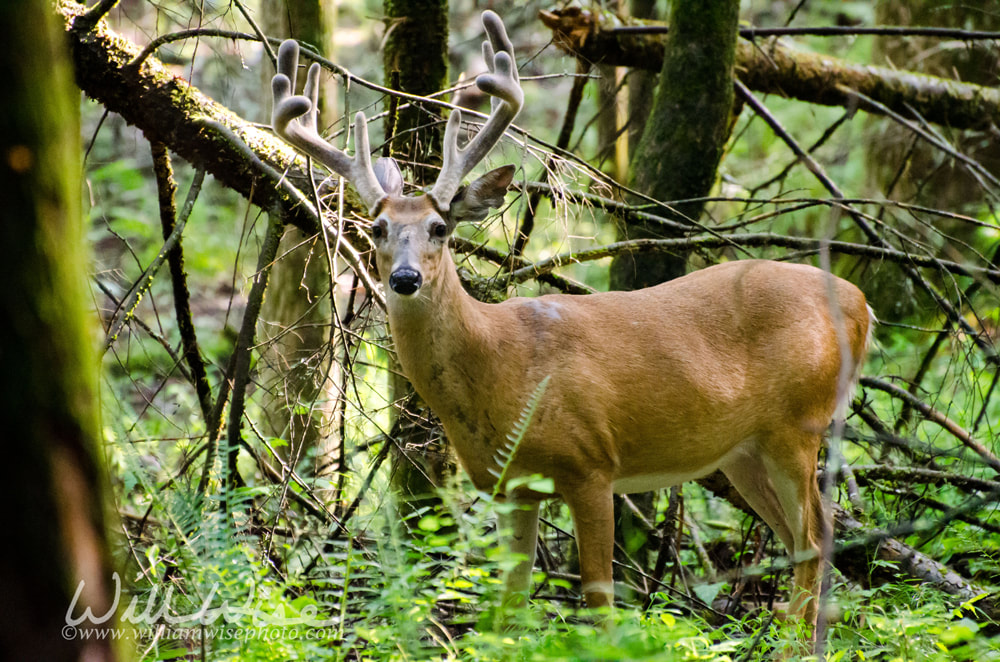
(388, 175)
(473, 202)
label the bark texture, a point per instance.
(48, 405)
(416, 46)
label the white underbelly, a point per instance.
(654, 481)
(657, 480)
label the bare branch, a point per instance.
(932, 414)
(535, 269)
(832, 31)
(927, 476)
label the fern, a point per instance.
(505, 454)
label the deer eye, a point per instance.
(378, 229)
(439, 230)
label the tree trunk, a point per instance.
(686, 131)
(50, 475)
(417, 48)
(297, 372)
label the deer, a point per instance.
(737, 367)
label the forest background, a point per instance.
(256, 443)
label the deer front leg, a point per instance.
(519, 522)
(592, 508)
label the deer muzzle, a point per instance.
(405, 281)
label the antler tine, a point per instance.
(502, 83)
(295, 119)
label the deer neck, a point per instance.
(438, 333)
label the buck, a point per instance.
(738, 367)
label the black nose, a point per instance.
(405, 281)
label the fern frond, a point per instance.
(505, 454)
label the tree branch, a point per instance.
(536, 269)
(775, 68)
(171, 222)
(932, 414)
(163, 106)
(833, 31)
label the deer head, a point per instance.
(410, 231)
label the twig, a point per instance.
(931, 353)
(500, 258)
(349, 252)
(163, 342)
(169, 220)
(131, 300)
(830, 130)
(376, 463)
(921, 475)
(317, 509)
(565, 133)
(260, 33)
(859, 220)
(536, 269)
(932, 414)
(241, 354)
(868, 103)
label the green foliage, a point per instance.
(516, 436)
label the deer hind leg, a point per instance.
(781, 486)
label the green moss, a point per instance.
(687, 130)
(417, 47)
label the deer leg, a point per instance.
(808, 548)
(748, 474)
(781, 487)
(593, 522)
(520, 525)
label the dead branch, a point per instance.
(775, 67)
(536, 269)
(855, 562)
(854, 559)
(871, 472)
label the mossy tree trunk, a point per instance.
(676, 158)
(417, 48)
(297, 370)
(51, 478)
(686, 132)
